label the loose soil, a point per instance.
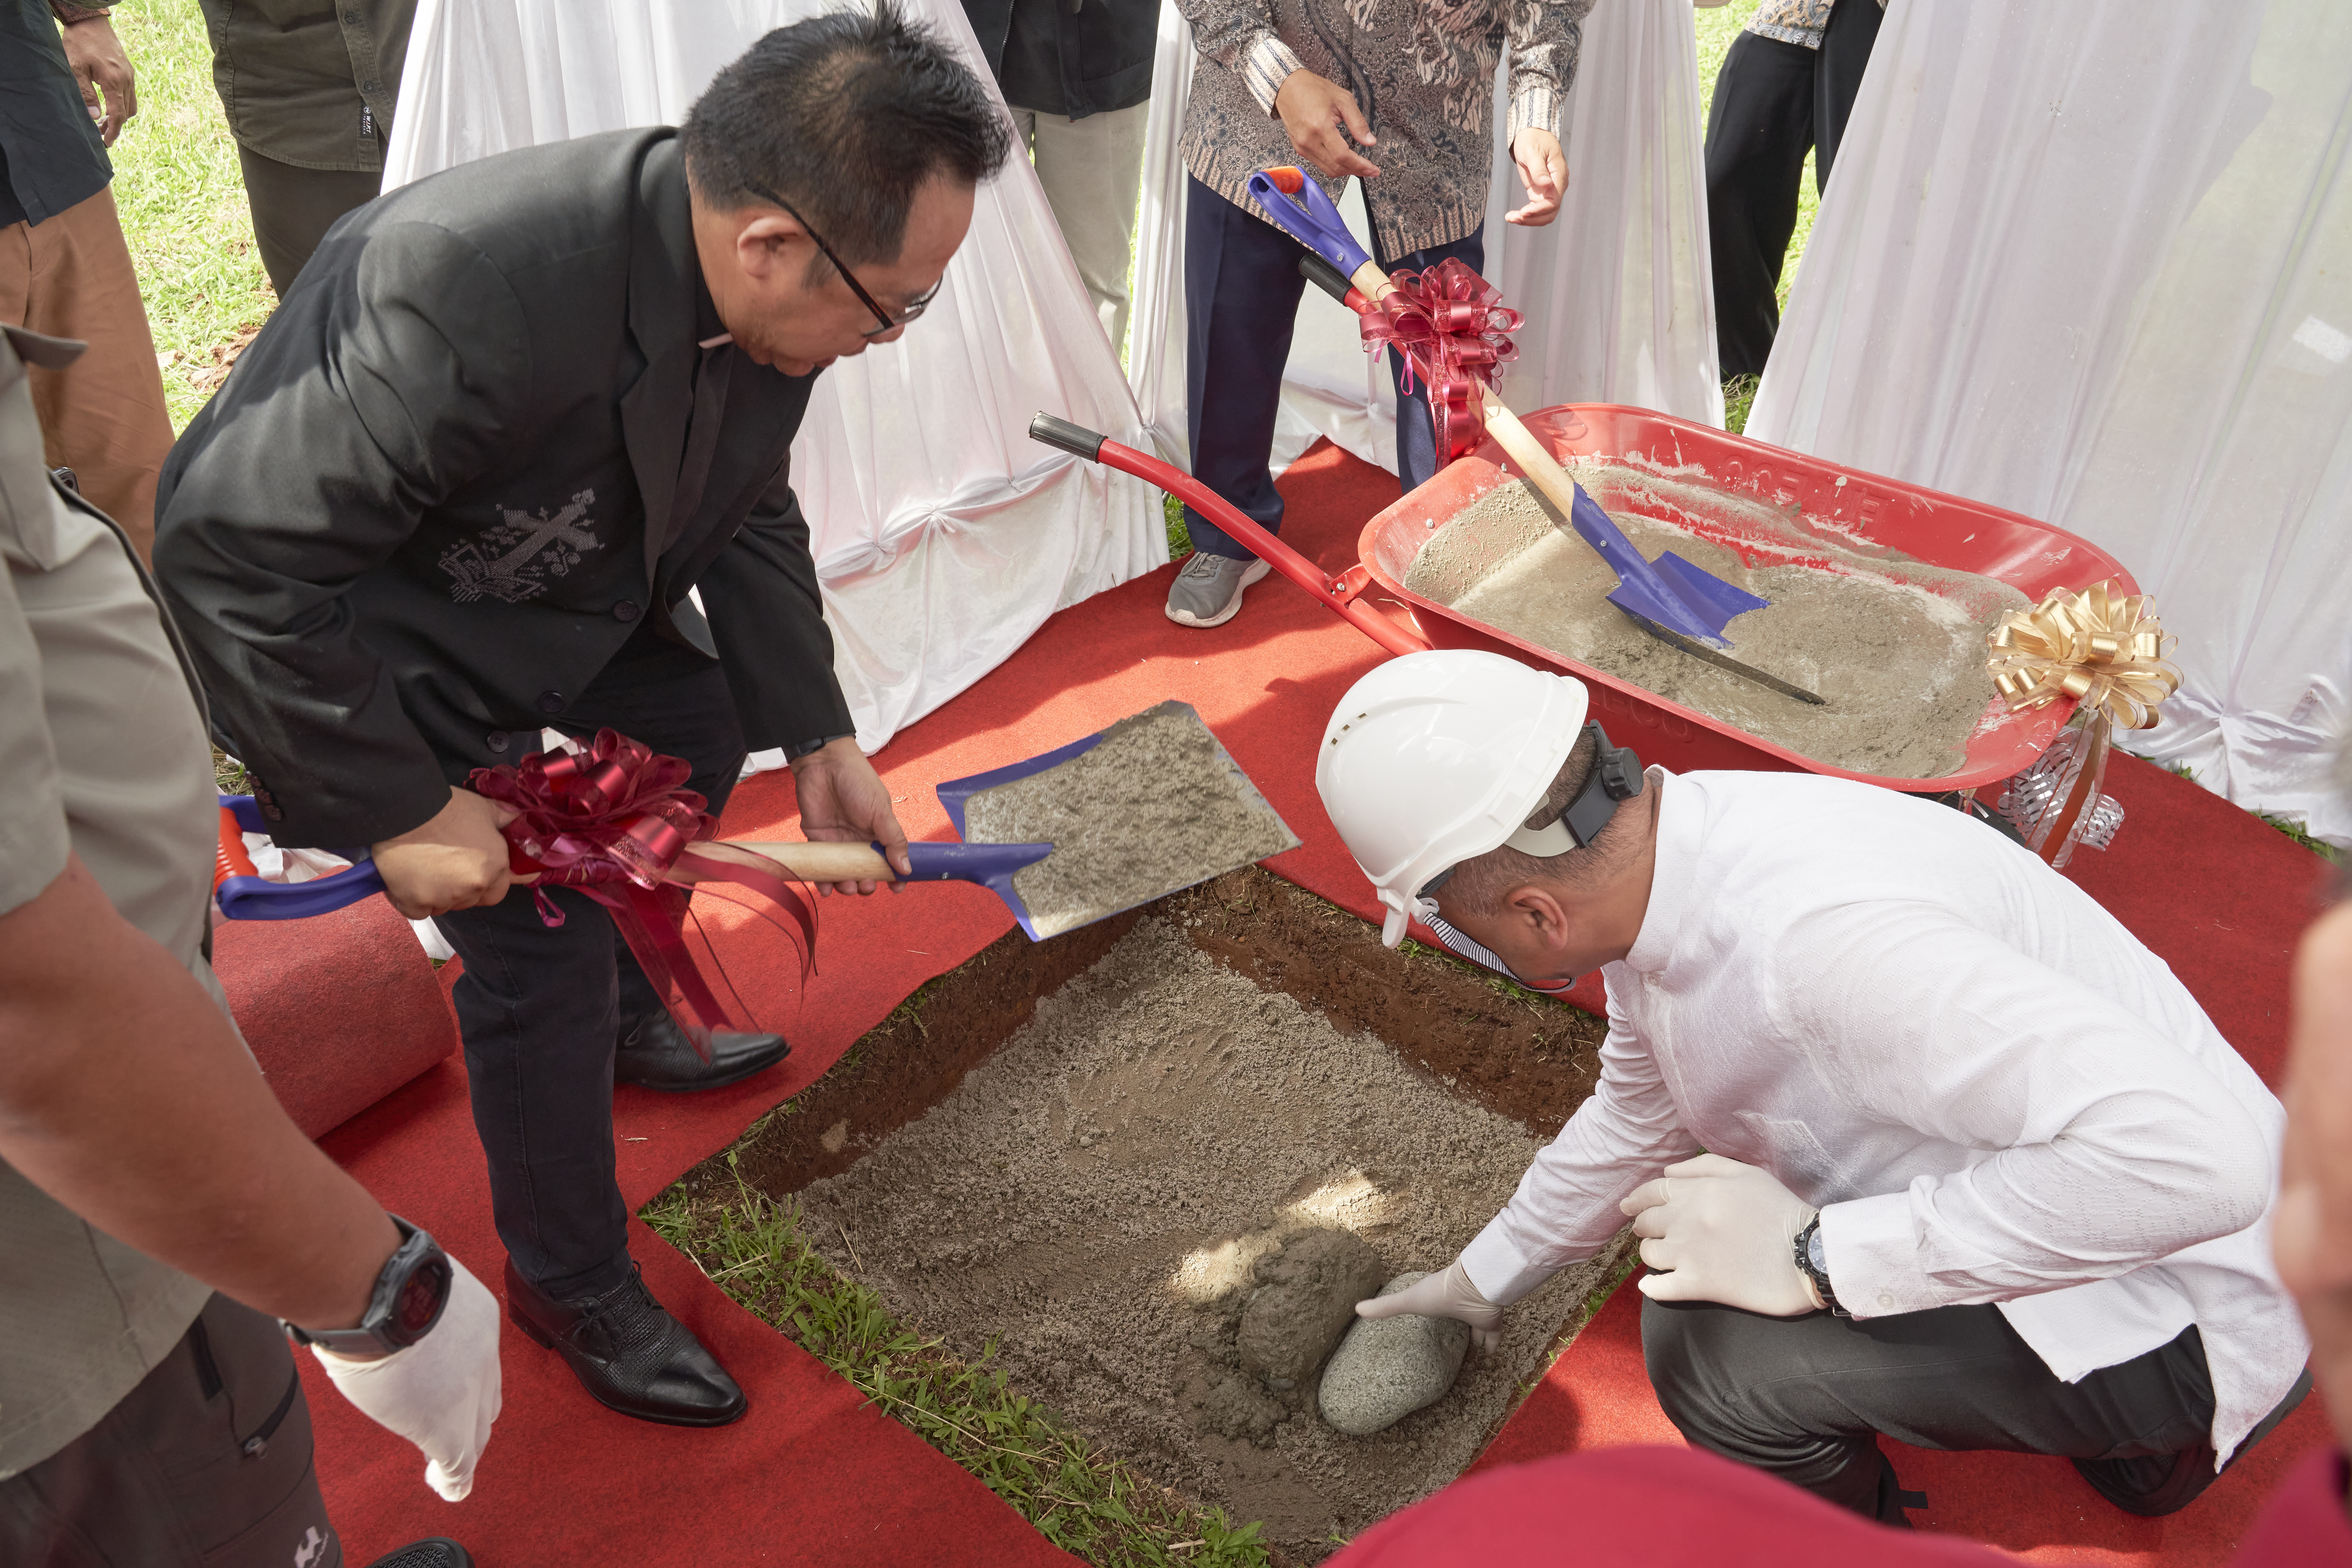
(1099, 1198)
(1155, 805)
(1525, 1057)
(1896, 647)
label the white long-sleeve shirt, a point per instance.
(1990, 1090)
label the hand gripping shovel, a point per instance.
(1671, 598)
(245, 895)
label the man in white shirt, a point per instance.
(1979, 1173)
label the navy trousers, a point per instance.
(541, 1008)
(1242, 289)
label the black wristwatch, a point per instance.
(407, 1300)
(1814, 1266)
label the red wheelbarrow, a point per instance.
(1903, 525)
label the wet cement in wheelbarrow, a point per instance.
(1899, 652)
(1096, 1199)
(1155, 805)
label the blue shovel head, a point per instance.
(1674, 600)
(990, 865)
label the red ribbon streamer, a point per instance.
(611, 822)
(1453, 330)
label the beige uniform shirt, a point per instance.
(103, 755)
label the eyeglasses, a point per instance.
(915, 307)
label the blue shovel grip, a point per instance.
(1315, 224)
(259, 899)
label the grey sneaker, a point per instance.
(1208, 592)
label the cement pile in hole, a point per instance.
(1902, 667)
(1097, 1197)
(1153, 807)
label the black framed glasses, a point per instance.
(889, 323)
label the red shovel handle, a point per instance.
(1085, 443)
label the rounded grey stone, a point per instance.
(1387, 1368)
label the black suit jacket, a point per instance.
(416, 518)
(1059, 59)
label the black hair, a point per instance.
(845, 115)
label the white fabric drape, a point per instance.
(2094, 262)
(943, 535)
(1615, 288)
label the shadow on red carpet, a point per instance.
(810, 1475)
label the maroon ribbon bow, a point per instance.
(1453, 330)
(612, 821)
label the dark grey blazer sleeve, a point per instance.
(311, 468)
(767, 621)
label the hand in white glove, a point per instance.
(1723, 1232)
(441, 1392)
(1446, 1295)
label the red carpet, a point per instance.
(809, 1475)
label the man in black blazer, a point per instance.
(467, 482)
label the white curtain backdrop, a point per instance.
(943, 535)
(2094, 262)
(1615, 288)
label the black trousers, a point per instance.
(293, 209)
(1774, 102)
(541, 1008)
(206, 1462)
(1805, 1398)
(1241, 289)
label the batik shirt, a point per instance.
(1422, 71)
(1795, 21)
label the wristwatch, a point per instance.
(409, 1295)
(1812, 1262)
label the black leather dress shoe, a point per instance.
(629, 1353)
(655, 1054)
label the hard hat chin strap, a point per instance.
(1616, 776)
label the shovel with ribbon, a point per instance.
(614, 822)
(1453, 331)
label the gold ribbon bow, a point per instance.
(2107, 651)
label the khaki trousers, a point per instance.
(1092, 169)
(103, 416)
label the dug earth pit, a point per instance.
(1109, 1201)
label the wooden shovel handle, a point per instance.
(816, 863)
(809, 862)
(1534, 458)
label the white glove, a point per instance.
(1725, 1232)
(441, 1392)
(1446, 1295)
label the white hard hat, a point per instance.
(1436, 758)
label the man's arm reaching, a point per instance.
(126, 1096)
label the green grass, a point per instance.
(1738, 396)
(1077, 1497)
(183, 205)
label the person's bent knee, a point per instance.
(1690, 1350)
